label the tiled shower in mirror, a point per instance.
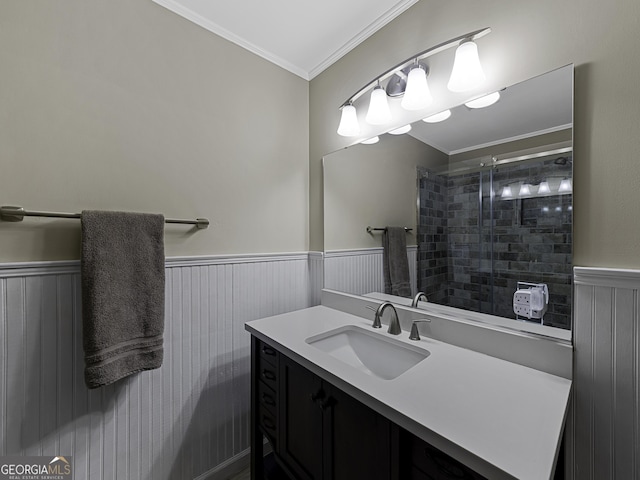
(483, 230)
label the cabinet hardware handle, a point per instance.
(268, 374)
(268, 399)
(268, 350)
(329, 402)
(319, 395)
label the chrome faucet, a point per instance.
(417, 298)
(394, 324)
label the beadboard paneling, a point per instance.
(604, 431)
(360, 271)
(181, 421)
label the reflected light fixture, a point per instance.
(467, 72)
(417, 95)
(349, 126)
(524, 190)
(506, 192)
(484, 101)
(438, 117)
(544, 187)
(565, 186)
(401, 130)
(378, 113)
(371, 141)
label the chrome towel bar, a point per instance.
(372, 229)
(17, 214)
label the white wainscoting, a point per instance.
(360, 271)
(182, 421)
(604, 427)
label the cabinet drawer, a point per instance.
(267, 398)
(268, 372)
(268, 354)
(268, 424)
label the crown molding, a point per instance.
(179, 9)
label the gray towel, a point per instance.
(122, 294)
(395, 264)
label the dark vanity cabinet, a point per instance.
(318, 432)
(325, 433)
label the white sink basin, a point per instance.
(370, 352)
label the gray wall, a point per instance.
(373, 185)
(528, 38)
(123, 105)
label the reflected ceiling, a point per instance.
(521, 112)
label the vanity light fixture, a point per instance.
(379, 113)
(524, 190)
(438, 117)
(349, 126)
(544, 187)
(506, 192)
(484, 101)
(371, 141)
(401, 130)
(467, 72)
(417, 95)
(565, 186)
(466, 63)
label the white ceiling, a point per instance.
(302, 36)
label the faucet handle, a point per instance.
(414, 335)
(376, 321)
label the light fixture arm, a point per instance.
(414, 59)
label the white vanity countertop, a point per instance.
(501, 419)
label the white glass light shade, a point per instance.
(417, 95)
(565, 186)
(506, 192)
(544, 188)
(401, 130)
(349, 126)
(484, 101)
(438, 117)
(467, 71)
(370, 141)
(379, 113)
(524, 190)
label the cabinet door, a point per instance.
(300, 416)
(357, 439)
(422, 461)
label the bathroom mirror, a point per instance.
(486, 196)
